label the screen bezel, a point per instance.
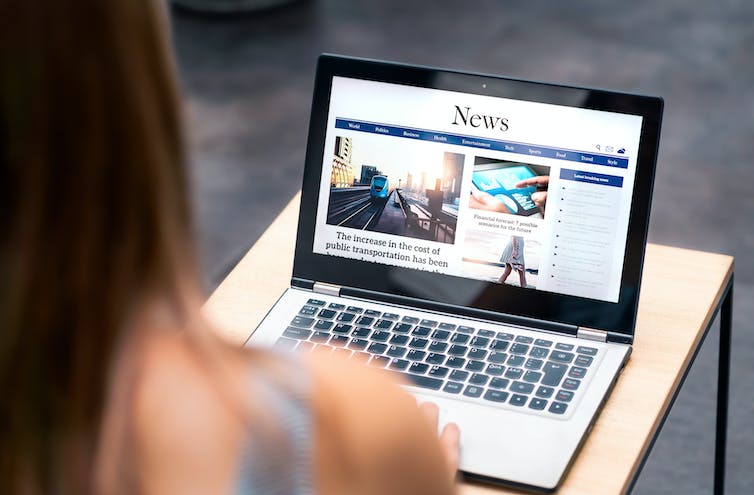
(618, 317)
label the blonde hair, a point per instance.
(95, 217)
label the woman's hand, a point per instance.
(449, 437)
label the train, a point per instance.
(380, 188)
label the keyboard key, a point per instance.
(421, 331)
(361, 332)
(302, 321)
(504, 336)
(379, 361)
(383, 324)
(305, 346)
(436, 346)
(514, 373)
(583, 361)
(499, 345)
(354, 309)
(537, 404)
(297, 333)
(476, 353)
(465, 329)
(452, 387)
(372, 313)
(475, 366)
(457, 350)
(563, 347)
(415, 355)
(521, 387)
(396, 351)
(459, 375)
(545, 392)
(342, 328)
(496, 396)
(358, 344)
(524, 339)
(418, 343)
(553, 373)
(360, 357)
(478, 379)
(459, 338)
(315, 302)
(497, 357)
(533, 364)
(320, 337)
(441, 335)
(589, 351)
(518, 400)
(410, 320)
(472, 391)
(570, 384)
(323, 325)
(435, 358)
(455, 362)
(495, 370)
(516, 360)
(576, 372)
(308, 310)
(500, 383)
(519, 349)
(558, 408)
(345, 317)
(390, 316)
(428, 323)
(402, 327)
(364, 320)
(561, 357)
(438, 371)
(338, 340)
(419, 368)
(564, 396)
(532, 376)
(486, 333)
(399, 339)
(479, 342)
(343, 352)
(380, 336)
(543, 342)
(285, 344)
(398, 364)
(446, 326)
(336, 306)
(539, 352)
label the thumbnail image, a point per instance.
(395, 188)
(509, 187)
(501, 258)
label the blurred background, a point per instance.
(247, 82)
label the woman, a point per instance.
(111, 380)
(513, 259)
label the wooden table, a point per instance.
(681, 292)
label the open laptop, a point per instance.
(483, 239)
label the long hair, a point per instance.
(94, 217)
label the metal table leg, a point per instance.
(723, 382)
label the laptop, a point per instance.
(483, 239)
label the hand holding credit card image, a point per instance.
(509, 187)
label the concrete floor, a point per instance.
(247, 84)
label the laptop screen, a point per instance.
(506, 191)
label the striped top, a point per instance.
(277, 459)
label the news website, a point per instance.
(508, 191)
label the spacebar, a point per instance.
(417, 380)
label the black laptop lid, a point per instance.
(478, 194)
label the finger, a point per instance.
(450, 441)
(431, 412)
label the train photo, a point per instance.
(379, 189)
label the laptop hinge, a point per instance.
(591, 334)
(328, 289)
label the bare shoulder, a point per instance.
(371, 436)
(185, 418)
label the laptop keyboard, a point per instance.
(497, 368)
